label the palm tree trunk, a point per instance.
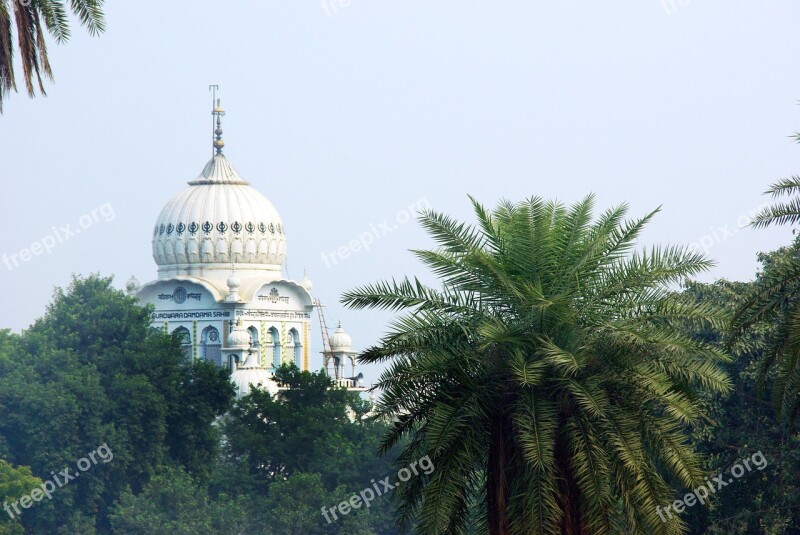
(498, 476)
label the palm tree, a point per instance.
(774, 298)
(30, 17)
(548, 380)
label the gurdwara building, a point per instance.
(220, 247)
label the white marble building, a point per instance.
(220, 246)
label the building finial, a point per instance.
(216, 113)
(233, 286)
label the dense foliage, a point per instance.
(92, 372)
(763, 502)
(550, 378)
(284, 461)
(775, 298)
(15, 482)
(312, 433)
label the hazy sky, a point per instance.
(344, 114)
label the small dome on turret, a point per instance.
(250, 372)
(341, 341)
(239, 337)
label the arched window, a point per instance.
(211, 345)
(275, 342)
(182, 333)
(294, 337)
(254, 339)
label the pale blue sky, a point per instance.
(345, 116)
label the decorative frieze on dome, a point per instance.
(208, 226)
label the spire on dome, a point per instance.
(218, 143)
(306, 282)
(216, 112)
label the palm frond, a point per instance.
(30, 19)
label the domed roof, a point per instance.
(251, 372)
(239, 337)
(259, 377)
(341, 341)
(219, 219)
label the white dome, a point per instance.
(341, 341)
(243, 378)
(239, 337)
(219, 219)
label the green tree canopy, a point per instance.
(14, 484)
(549, 378)
(92, 371)
(172, 503)
(313, 432)
(766, 501)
